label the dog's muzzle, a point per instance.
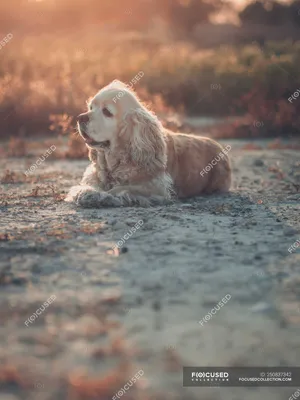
(83, 120)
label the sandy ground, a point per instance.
(118, 312)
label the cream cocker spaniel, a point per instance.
(136, 161)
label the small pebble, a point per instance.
(18, 281)
(261, 307)
(290, 232)
(258, 163)
(156, 305)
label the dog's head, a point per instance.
(118, 120)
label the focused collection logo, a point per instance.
(210, 376)
(240, 376)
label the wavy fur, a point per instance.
(144, 163)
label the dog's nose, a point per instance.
(83, 118)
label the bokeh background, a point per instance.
(223, 69)
(206, 59)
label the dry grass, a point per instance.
(83, 387)
(17, 147)
(9, 177)
(65, 232)
(13, 177)
(9, 374)
(49, 190)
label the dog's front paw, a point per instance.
(88, 197)
(108, 200)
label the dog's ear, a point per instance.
(142, 135)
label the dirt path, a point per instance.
(118, 312)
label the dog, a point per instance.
(136, 161)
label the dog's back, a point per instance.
(197, 165)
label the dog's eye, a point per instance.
(106, 112)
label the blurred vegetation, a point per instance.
(63, 52)
(41, 77)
